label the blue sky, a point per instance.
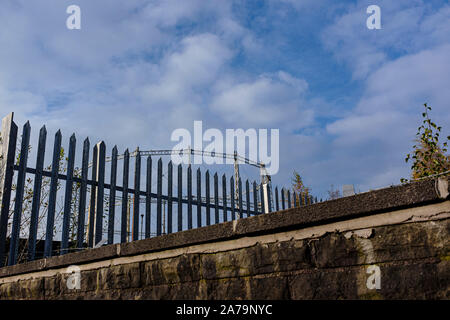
(346, 99)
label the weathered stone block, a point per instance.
(281, 256)
(119, 277)
(25, 289)
(334, 250)
(228, 289)
(229, 264)
(274, 287)
(411, 241)
(339, 283)
(172, 270)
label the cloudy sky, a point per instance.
(346, 99)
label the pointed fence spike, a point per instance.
(83, 194)
(35, 207)
(52, 195)
(159, 226)
(124, 216)
(20, 188)
(68, 196)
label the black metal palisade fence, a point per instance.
(235, 204)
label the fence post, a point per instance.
(247, 194)
(179, 198)
(263, 199)
(91, 213)
(169, 196)
(8, 150)
(83, 190)
(68, 196)
(101, 156)
(255, 199)
(224, 198)
(137, 188)
(52, 196)
(241, 211)
(207, 195)
(216, 198)
(34, 219)
(232, 199)
(148, 197)
(21, 175)
(112, 196)
(277, 207)
(199, 198)
(189, 191)
(159, 226)
(123, 224)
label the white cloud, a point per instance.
(407, 27)
(385, 120)
(267, 100)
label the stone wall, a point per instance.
(399, 252)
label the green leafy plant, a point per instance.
(428, 157)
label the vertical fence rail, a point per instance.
(100, 192)
(8, 150)
(20, 187)
(35, 206)
(269, 199)
(247, 194)
(91, 215)
(159, 199)
(180, 196)
(148, 198)
(199, 198)
(241, 210)
(123, 225)
(255, 198)
(169, 196)
(137, 196)
(216, 198)
(289, 199)
(207, 195)
(233, 212)
(83, 194)
(68, 196)
(224, 198)
(112, 196)
(277, 208)
(52, 196)
(189, 192)
(261, 196)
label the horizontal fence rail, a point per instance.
(89, 199)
